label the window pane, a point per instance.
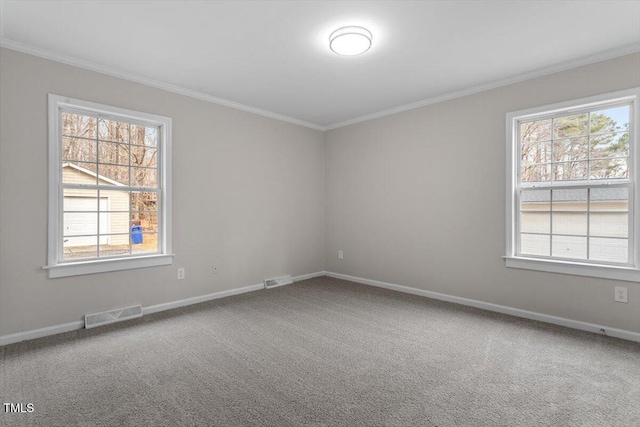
(574, 223)
(535, 206)
(78, 150)
(613, 250)
(79, 223)
(569, 247)
(143, 156)
(78, 125)
(79, 247)
(114, 201)
(569, 214)
(538, 200)
(535, 131)
(535, 222)
(610, 199)
(111, 130)
(535, 173)
(570, 171)
(79, 200)
(570, 149)
(609, 224)
(570, 200)
(144, 177)
(147, 136)
(114, 222)
(79, 173)
(113, 175)
(534, 244)
(610, 120)
(147, 220)
(576, 125)
(144, 201)
(114, 153)
(536, 152)
(609, 212)
(147, 243)
(114, 245)
(610, 145)
(151, 137)
(609, 169)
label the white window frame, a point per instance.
(56, 266)
(579, 267)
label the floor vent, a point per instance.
(278, 281)
(112, 316)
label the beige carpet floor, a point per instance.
(324, 352)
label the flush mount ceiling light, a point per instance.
(350, 41)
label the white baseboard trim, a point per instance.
(72, 326)
(569, 323)
(202, 298)
(309, 276)
(42, 332)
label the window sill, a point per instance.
(630, 274)
(101, 266)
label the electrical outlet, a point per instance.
(215, 269)
(621, 294)
(340, 255)
(181, 273)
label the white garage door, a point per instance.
(79, 222)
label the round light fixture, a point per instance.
(350, 41)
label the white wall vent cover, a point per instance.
(112, 316)
(278, 281)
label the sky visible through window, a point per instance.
(579, 149)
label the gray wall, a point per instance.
(247, 194)
(415, 199)
(418, 199)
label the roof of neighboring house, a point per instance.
(89, 172)
(575, 195)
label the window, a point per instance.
(109, 188)
(572, 198)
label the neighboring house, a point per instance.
(608, 222)
(80, 217)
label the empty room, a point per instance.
(327, 213)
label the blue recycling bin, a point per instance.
(136, 234)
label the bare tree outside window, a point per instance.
(111, 154)
(588, 146)
(574, 222)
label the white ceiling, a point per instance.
(274, 55)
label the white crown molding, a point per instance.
(91, 66)
(540, 72)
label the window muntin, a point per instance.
(577, 224)
(571, 193)
(583, 222)
(593, 145)
(109, 186)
